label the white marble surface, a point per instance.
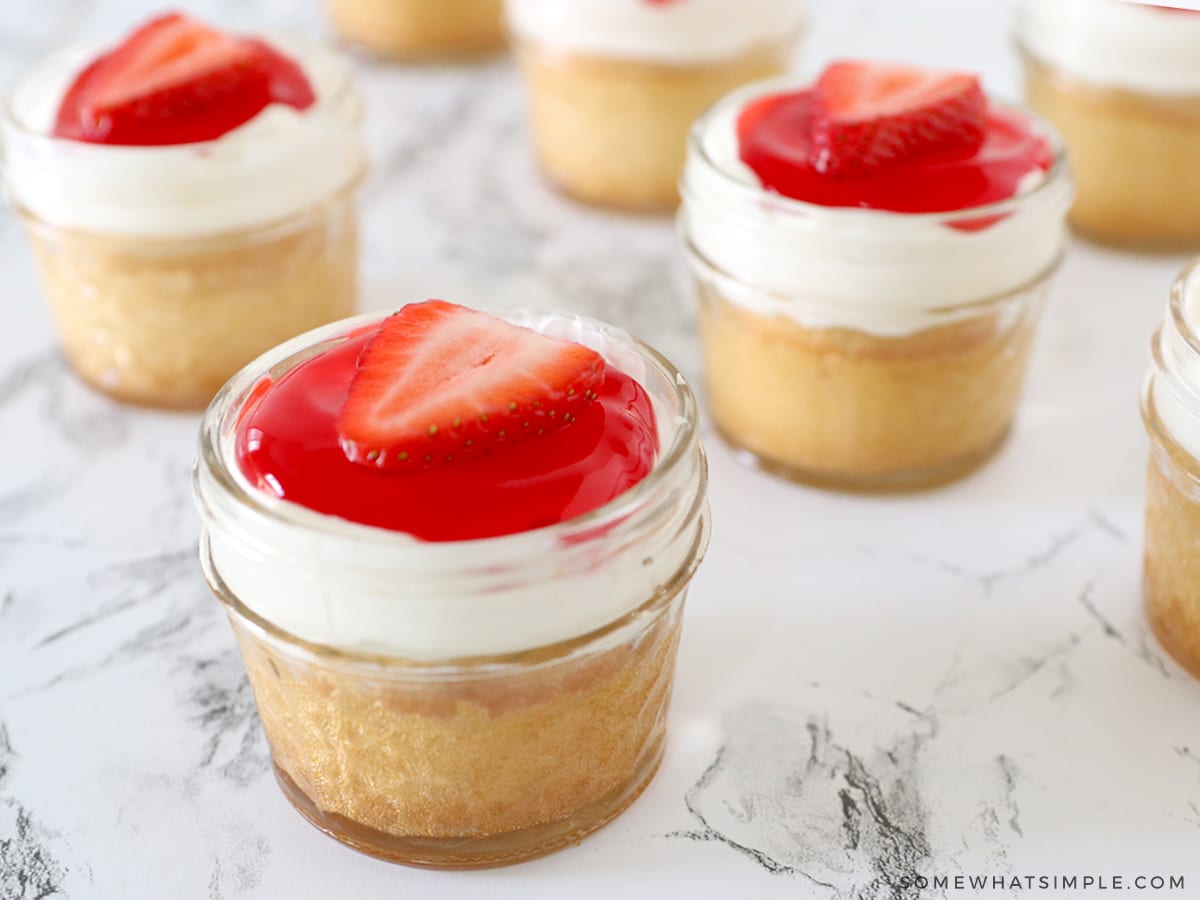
(960, 682)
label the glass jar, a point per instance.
(856, 348)
(169, 268)
(1121, 82)
(612, 91)
(470, 703)
(420, 29)
(1171, 412)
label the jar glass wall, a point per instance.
(548, 718)
(844, 408)
(166, 322)
(1121, 82)
(1171, 412)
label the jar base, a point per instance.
(895, 482)
(659, 207)
(164, 323)
(192, 399)
(419, 31)
(485, 852)
(1132, 155)
(1141, 245)
(413, 56)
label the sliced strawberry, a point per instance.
(440, 382)
(176, 81)
(139, 46)
(867, 115)
(773, 134)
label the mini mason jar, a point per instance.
(420, 29)
(460, 704)
(1171, 411)
(614, 85)
(169, 268)
(857, 348)
(1121, 81)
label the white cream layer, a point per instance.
(679, 31)
(1115, 43)
(883, 273)
(282, 162)
(362, 589)
(1177, 387)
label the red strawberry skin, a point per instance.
(868, 115)
(142, 47)
(287, 83)
(440, 382)
(773, 141)
(176, 81)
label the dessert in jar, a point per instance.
(614, 85)
(454, 550)
(1171, 411)
(870, 255)
(1121, 82)
(189, 196)
(418, 29)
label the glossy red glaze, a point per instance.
(773, 134)
(287, 445)
(177, 81)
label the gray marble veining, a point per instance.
(871, 690)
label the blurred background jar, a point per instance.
(614, 85)
(419, 29)
(1171, 412)
(1121, 82)
(168, 268)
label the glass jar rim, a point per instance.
(234, 392)
(1177, 307)
(1175, 345)
(668, 508)
(1170, 393)
(1059, 167)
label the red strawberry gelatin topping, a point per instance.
(176, 81)
(890, 137)
(419, 426)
